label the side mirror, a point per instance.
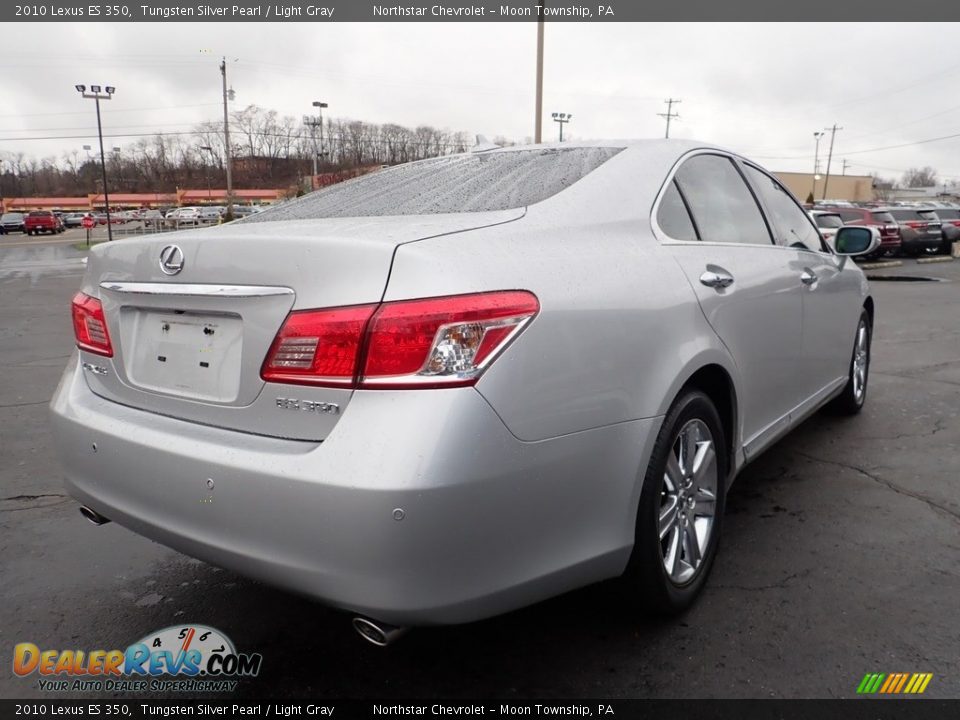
(852, 240)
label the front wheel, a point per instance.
(681, 507)
(850, 401)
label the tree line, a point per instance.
(268, 151)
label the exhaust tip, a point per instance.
(377, 633)
(93, 516)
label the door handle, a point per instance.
(808, 277)
(717, 279)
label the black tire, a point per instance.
(850, 401)
(647, 579)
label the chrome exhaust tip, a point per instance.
(93, 516)
(378, 633)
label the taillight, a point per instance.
(90, 326)
(318, 347)
(442, 342)
(435, 342)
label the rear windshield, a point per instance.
(883, 217)
(40, 213)
(455, 184)
(829, 221)
(910, 214)
(12, 216)
(947, 214)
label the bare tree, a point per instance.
(920, 177)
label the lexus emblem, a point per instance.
(171, 259)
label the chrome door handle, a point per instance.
(808, 277)
(717, 279)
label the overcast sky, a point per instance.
(760, 89)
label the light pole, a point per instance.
(206, 167)
(538, 122)
(816, 164)
(561, 118)
(313, 123)
(96, 95)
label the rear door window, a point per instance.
(720, 202)
(884, 217)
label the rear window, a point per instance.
(475, 182)
(928, 215)
(829, 221)
(904, 214)
(850, 215)
(947, 214)
(40, 213)
(883, 217)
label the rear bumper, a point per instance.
(918, 244)
(489, 524)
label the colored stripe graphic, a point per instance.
(894, 683)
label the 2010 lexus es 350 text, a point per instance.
(451, 388)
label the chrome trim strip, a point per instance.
(194, 289)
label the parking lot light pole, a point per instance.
(206, 166)
(562, 118)
(97, 95)
(816, 163)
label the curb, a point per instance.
(877, 266)
(927, 261)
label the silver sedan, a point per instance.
(452, 388)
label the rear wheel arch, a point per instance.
(715, 382)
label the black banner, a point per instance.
(477, 11)
(859, 709)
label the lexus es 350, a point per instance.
(452, 388)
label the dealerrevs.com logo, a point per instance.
(186, 658)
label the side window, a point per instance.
(673, 218)
(793, 226)
(721, 204)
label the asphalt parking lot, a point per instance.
(841, 549)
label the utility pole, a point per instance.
(669, 114)
(816, 164)
(846, 164)
(833, 134)
(538, 123)
(226, 139)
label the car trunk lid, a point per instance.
(190, 342)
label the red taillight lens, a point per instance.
(442, 342)
(90, 326)
(437, 342)
(318, 347)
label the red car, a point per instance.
(40, 221)
(890, 239)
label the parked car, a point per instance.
(73, 220)
(240, 211)
(466, 384)
(208, 215)
(828, 222)
(42, 221)
(950, 218)
(920, 229)
(12, 222)
(883, 221)
(151, 217)
(183, 216)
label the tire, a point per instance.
(664, 574)
(850, 401)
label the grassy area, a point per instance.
(82, 245)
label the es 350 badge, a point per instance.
(196, 657)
